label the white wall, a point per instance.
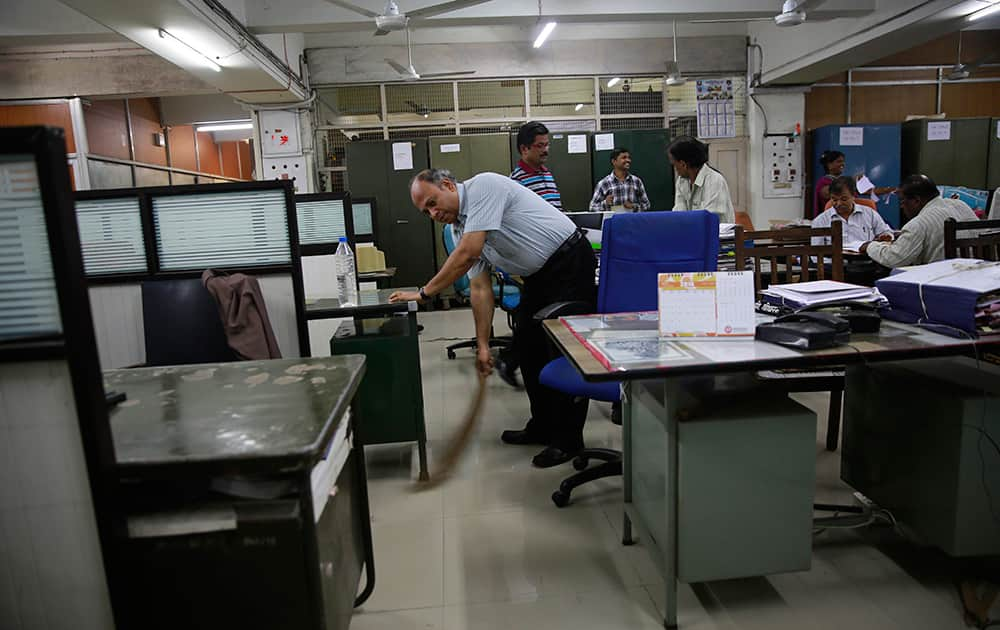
(783, 111)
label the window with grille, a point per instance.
(333, 181)
(481, 130)
(632, 123)
(402, 133)
(631, 95)
(491, 100)
(27, 280)
(111, 236)
(246, 228)
(561, 97)
(349, 106)
(419, 102)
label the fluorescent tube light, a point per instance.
(984, 12)
(578, 107)
(613, 82)
(226, 127)
(188, 51)
(544, 35)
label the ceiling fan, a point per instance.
(410, 73)
(674, 76)
(962, 70)
(391, 19)
(793, 13)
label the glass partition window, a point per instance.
(247, 228)
(361, 212)
(29, 305)
(321, 221)
(111, 236)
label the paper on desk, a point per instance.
(631, 350)
(865, 184)
(402, 156)
(576, 143)
(604, 141)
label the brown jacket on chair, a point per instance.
(243, 314)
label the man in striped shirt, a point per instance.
(533, 145)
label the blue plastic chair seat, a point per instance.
(560, 374)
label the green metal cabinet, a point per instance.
(572, 171)
(404, 234)
(957, 161)
(649, 162)
(993, 162)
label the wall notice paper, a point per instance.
(451, 148)
(864, 185)
(716, 108)
(402, 156)
(852, 136)
(939, 130)
(711, 304)
(577, 144)
(604, 141)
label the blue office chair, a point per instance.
(506, 294)
(635, 248)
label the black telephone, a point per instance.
(863, 317)
(806, 330)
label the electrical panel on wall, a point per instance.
(279, 133)
(291, 167)
(782, 166)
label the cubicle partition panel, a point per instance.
(135, 235)
(56, 455)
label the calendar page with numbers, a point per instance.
(709, 304)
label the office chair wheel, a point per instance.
(560, 498)
(580, 463)
(451, 354)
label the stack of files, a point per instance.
(727, 248)
(958, 297)
(800, 295)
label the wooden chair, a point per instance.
(983, 244)
(783, 248)
(743, 219)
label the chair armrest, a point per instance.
(561, 309)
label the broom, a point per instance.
(458, 442)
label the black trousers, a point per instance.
(567, 276)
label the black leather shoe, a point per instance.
(551, 456)
(521, 437)
(507, 371)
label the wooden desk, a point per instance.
(246, 493)
(672, 387)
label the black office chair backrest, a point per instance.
(182, 324)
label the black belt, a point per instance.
(568, 244)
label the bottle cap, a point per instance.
(343, 239)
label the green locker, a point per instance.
(571, 170)
(649, 163)
(957, 160)
(404, 234)
(466, 156)
(993, 163)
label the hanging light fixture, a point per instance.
(188, 51)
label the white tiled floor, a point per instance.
(489, 551)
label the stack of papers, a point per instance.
(805, 294)
(959, 297)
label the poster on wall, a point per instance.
(716, 108)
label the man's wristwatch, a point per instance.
(423, 294)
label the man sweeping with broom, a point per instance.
(500, 222)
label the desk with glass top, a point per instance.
(719, 467)
(246, 493)
(391, 396)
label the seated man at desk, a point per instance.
(860, 223)
(698, 185)
(620, 187)
(503, 224)
(922, 239)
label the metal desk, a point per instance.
(391, 397)
(657, 375)
(246, 493)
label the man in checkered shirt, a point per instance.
(620, 188)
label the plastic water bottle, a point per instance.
(344, 269)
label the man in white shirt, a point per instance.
(501, 223)
(922, 239)
(860, 223)
(698, 185)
